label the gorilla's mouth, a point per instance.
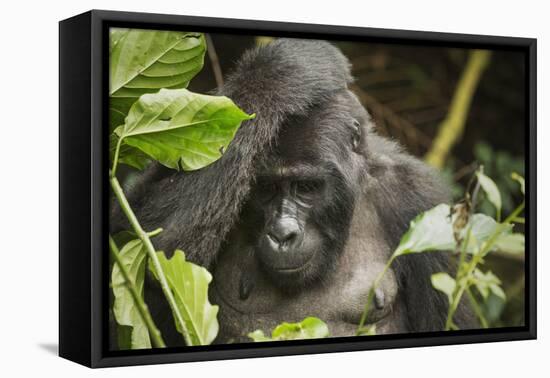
(287, 274)
(295, 269)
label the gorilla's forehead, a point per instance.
(315, 138)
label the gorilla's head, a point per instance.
(299, 210)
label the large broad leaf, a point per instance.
(309, 328)
(181, 129)
(189, 284)
(133, 333)
(144, 61)
(433, 230)
(491, 189)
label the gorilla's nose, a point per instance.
(284, 233)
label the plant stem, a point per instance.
(370, 296)
(155, 232)
(477, 309)
(117, 189)
(473, 264)
(115, 158)
(156, 337)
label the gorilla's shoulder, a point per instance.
(396, 171)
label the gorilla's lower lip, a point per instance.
(297, 268)
(290, 270)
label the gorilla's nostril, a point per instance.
(282, 238)
(284, 232)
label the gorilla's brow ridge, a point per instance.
(294, 171)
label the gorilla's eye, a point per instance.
(356, 135)
(306, 187)
(266, 190)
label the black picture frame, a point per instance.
(84, 195)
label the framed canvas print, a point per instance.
(233, 188)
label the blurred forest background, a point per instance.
(409, 92)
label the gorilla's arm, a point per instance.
(402, 187)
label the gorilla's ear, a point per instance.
(356, 135)
(285, 78)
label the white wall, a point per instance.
(28, 203)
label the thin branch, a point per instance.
(452, 127)
(216, 68)
(477, 308)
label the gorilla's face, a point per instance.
(291, 244)
(302, 204)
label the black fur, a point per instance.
(283, 82)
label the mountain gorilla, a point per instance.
(303, 210)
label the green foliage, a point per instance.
(493, 194)
(132, 330)
(498, 165)
(433, 231)
(520, 180)
(487, 283)
(369, 330)
(440, 229)
(309, 328)
(189, 283)
(144, 61)
(180, 129)
(444, 283)
(154, 118)
(468, 274)
(513, 243)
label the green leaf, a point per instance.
(488, 282)
(189, 284)
(127, 154)
(181, 129)
(124, 237)
(511, 243)
(433, 231)
(491, 189)
(258, 336)
(309, 328)
(133, 255)
(520, 180)
(369, 330)
(144, 61)
(430, 230)
(444, 283)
